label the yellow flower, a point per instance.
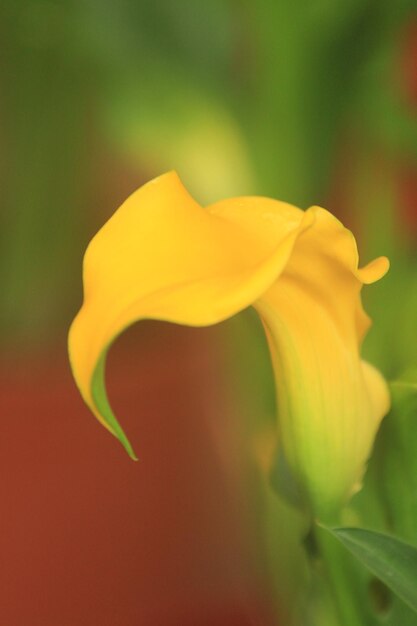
(163, 256)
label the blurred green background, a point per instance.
(310, 102)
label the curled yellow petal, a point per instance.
(329, 403)
(162, 256)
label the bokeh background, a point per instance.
(311, 102)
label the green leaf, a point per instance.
(391, 560)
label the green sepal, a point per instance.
(98, 391)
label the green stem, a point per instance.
(338, 577)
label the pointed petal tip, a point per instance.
(117, 431)
(131, 453)
(120, 435)
(375, 270)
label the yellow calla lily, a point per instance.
(163, 256)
